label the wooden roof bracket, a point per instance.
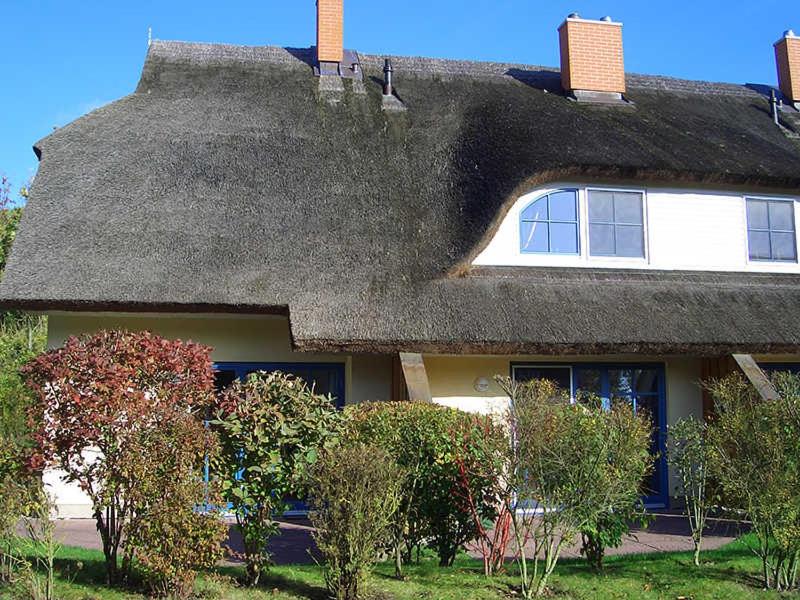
(756, 376)
(419, 390)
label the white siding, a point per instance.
(684, 230)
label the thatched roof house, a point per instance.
(280, 204)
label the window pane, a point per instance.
(562, 207)
(620, 382)
(601, 240)
(780, 216)
(534, 237)
(588, 380)
(759, 245)
(564, 238)
(601, 207)
(630, 240)
(223, 378)
(628, 208)
(558, 375)
(757, 214)
(537, 211)
(646, 381)
(783, 247)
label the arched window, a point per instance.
(550, 224)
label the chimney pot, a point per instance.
(330, 31)
(787, 59)
(592, 63)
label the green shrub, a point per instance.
(272, 428)
(689, 455)
(428, 442)
(755, 456)
(356, 491)
(27, 563)
(176, 529)
(94, 399)
(22, 337)
(578, 462)
(13, 492)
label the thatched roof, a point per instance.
(233, 181)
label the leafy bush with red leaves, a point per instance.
(94, 397)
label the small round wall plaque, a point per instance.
(481, 384)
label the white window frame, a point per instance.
(763, 263)
(632, 260)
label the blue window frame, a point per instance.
(642, 384)
(771, 230)
(326, 378)
(549, 224)
(616, 223)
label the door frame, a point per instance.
(657, 500)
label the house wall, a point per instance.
(368, 377)
(684, 230)
(452, 380)
(233, 339)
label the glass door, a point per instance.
(642, 385)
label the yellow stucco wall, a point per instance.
(236, 339)
(452, 381)
(368, 377)
(233, 339)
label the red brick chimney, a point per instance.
(787, 57)
(592, 64)
(330, 31)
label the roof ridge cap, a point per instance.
(222, 52)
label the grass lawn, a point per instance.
(728, 573)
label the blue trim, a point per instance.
(241, 369)
(548, 221)
(770, 368)
(337, 369)
(661, 496)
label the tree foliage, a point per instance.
(756, 458)
(176, 529)
(689, 455)
(22, 336)
(272, 428)
(575, 462)
(95, 397)
(429, 442)
(356, 491)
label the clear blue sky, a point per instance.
(60, 59)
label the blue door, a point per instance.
(643, 385)
(325, 378)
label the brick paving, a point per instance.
(669, 532)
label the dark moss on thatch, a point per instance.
(231, 181)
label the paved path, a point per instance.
(669, 532)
